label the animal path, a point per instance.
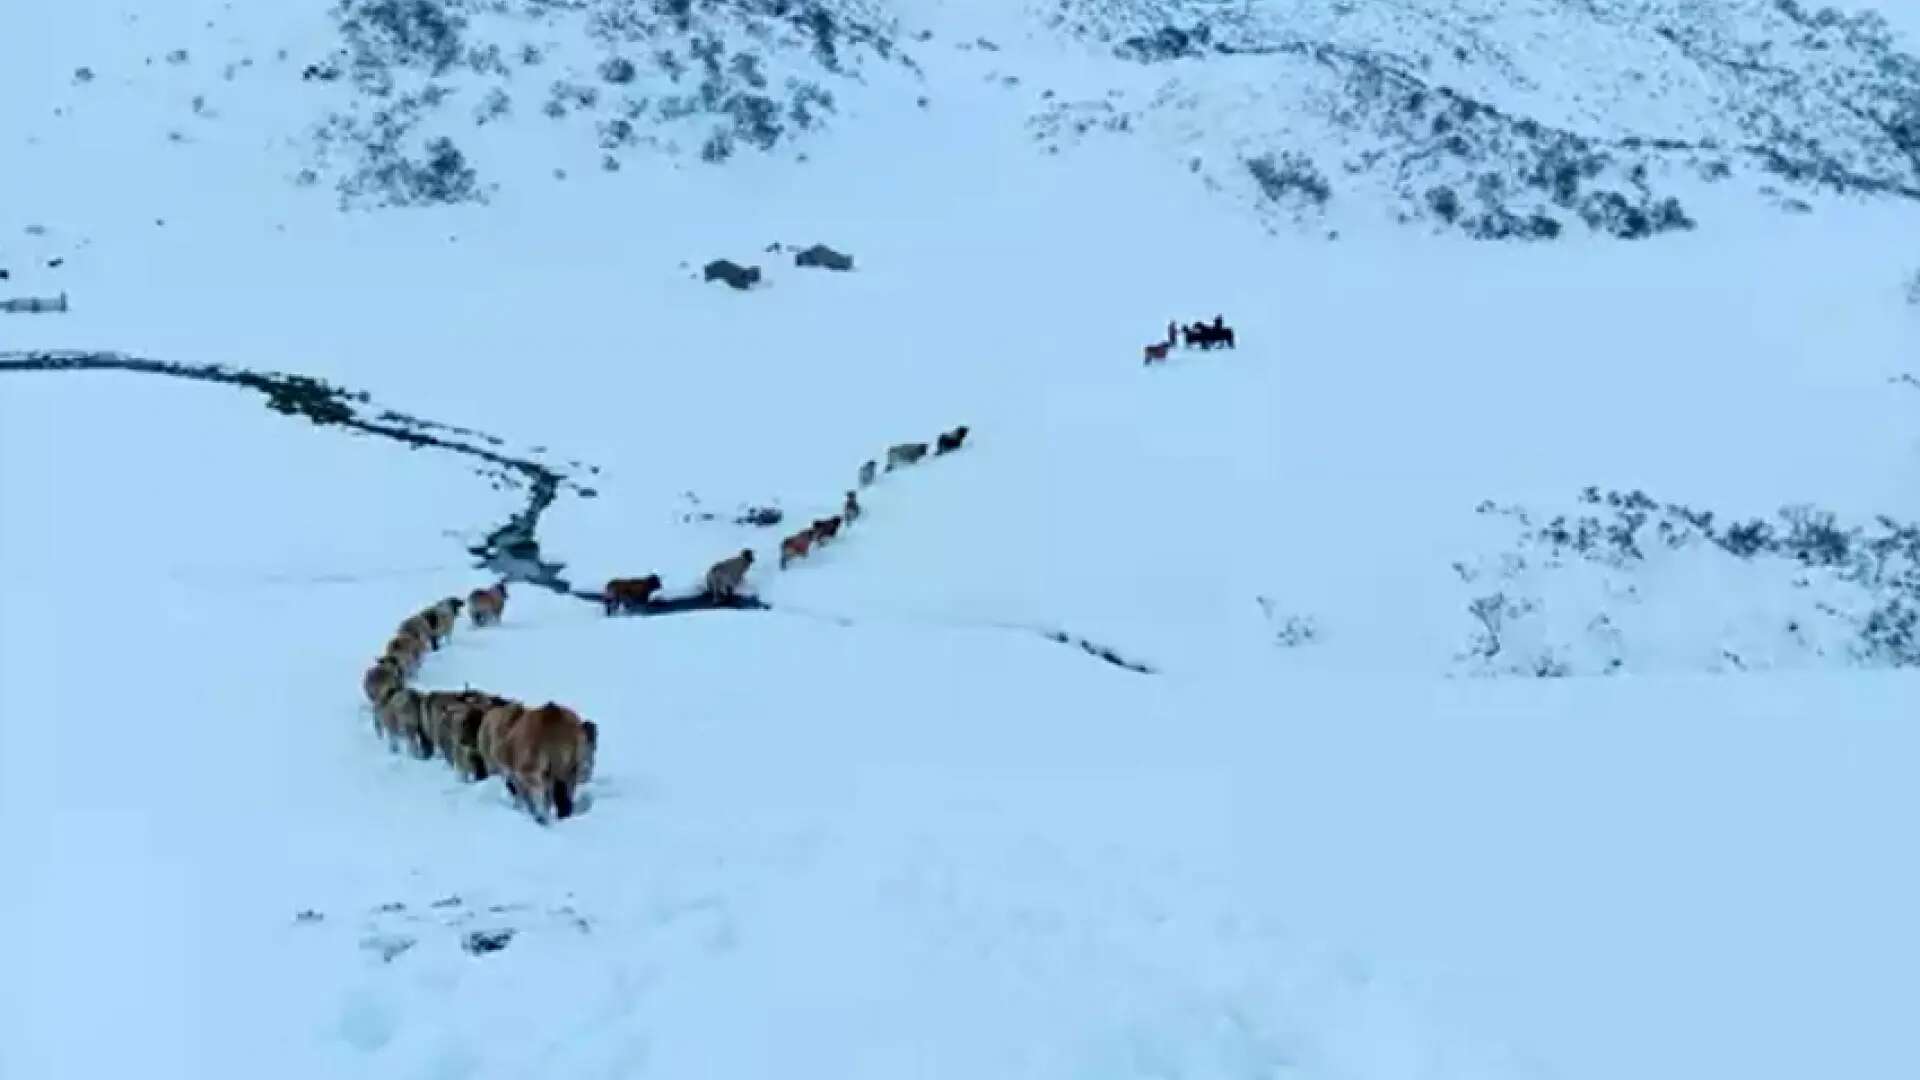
(545, 753)
(900, 457)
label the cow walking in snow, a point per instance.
(905, 454)
(796, 547)
(725, 576)
(545, 754)
(486, 606)
(630, 594)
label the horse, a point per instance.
(1208, 337)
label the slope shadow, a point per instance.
(680, 605)
(1098, 651)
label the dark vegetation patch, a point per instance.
(1290, 630)
(482, 942)
(1816, 99)
(669, 77)
(1858, 584)
(1097, 651)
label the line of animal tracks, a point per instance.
(510, 550)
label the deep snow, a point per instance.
(886, 828)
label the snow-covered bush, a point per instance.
(1290, 631)
(1430, 122)
(1290, 176)
(667, 78)
(405, 33)
(1629, 583)
(618, 70)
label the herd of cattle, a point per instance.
(724, 578)
(545, 753)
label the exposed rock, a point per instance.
(34, 304)
(481, 942)
(740, 277)
(824, 257)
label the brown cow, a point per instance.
(382, 679)
(486, 606)
(401, 719)
(826, 529)
(494, 727)
(626, 594)
(1156, 352)
(796, 546)
(546, 753)
(441, 618)
(453, 721)
(406, 651)
(434, 705)
(421, 627)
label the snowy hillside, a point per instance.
(1501, 119)
(1512, 119)
(1501, 663)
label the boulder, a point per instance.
(34, 304)
(823, 256)
(740, 277)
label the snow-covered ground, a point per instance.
(887, 827)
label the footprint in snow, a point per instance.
(366, 1024)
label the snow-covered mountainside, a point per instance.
(1516, 119)
(1498, 118)
(1500, 663)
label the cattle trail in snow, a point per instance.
(511, 550)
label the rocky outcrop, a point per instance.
(732, 273)
(823, 257)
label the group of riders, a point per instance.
(1205, 335)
